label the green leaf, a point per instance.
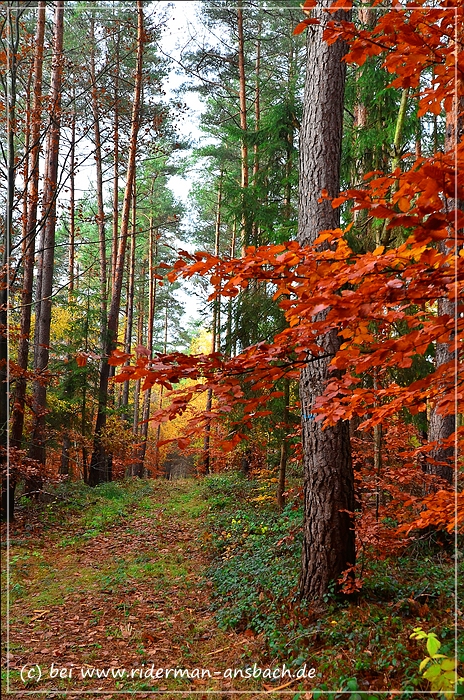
(433, 644)
(352, 684)
(418, 633)
(450, 676)
(448, 664)
(432, 672)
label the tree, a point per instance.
(47, 253)
(100, 469)
(328, 547)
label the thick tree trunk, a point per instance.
(44, 290)
(328, 546)
(99, 470)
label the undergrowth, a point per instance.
(356, 644)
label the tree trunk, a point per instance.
(64, 464)
(12, 35)
(100, 217)
(246, 228)
(114, 246)
(442, 426)
(152, 290)
(329, 544)
(72, 195)
(44, 290)
(130, 303)
(283, 448)
(99, 470)
(32, 198)
(215, 323)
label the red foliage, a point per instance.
(382, 303)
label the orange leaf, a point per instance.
(404, 204)
(81, 359)
(299, 29)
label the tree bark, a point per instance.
(246, 227)
(99, 470)
(329, 544)
(283, 448)
(44, 290)
(72, 204)
(152, 292)
(215, 323)
(100, 217)
(32, 198)
(441, 426)
(130, 302)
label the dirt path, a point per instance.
(124, 597)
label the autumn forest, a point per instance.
(231, 327)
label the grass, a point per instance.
(356, 644)
(103, 553)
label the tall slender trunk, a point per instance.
(99, 470)
(72, 203)
(215, 323)
(441, 427)
(140, 329)
(246, 229)
(152, 290)
(328, 546)
(231, 336)
(130, 301)
(283, 448)
(160, 404)
(28, 251)
(255, 236)
(114, 247)
(44, 291)
(100, 217)
(13, 34)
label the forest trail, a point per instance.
(121, 586)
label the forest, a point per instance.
(230, 346)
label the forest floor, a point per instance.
(111, 587)
(119, 587)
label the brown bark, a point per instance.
(442, 427)
(100, 217)
(246, 228)
(32, 198)
(215, 323)
(72, 193)
(47, 252)
(328, 546)
(152, 290)
(114, 247)
(99, 470)
(283, 449)
(130, 300)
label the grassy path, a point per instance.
(118, 583)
